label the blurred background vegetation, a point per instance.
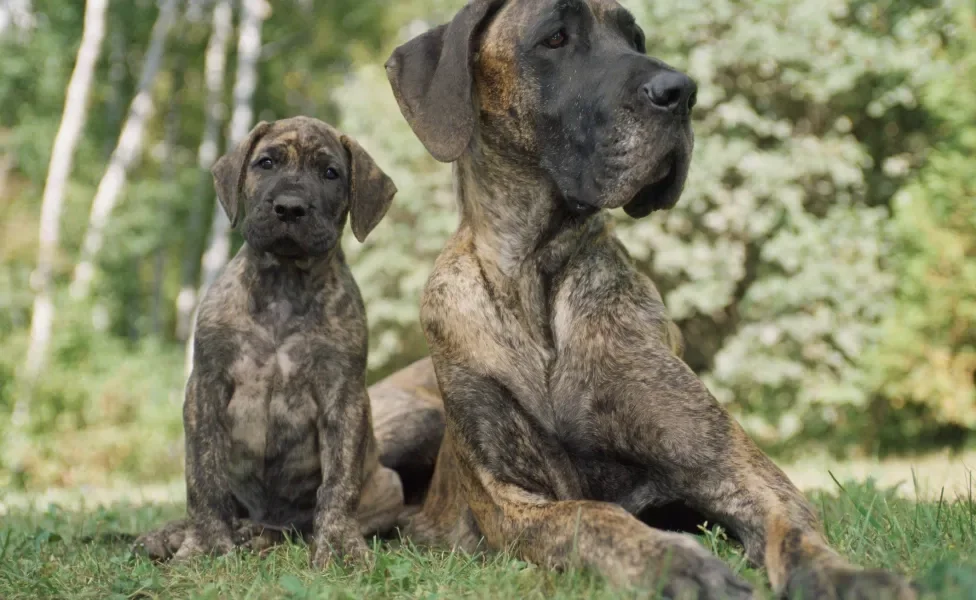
(822, 263)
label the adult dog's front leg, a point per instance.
(524, 496)
(210, 503)
(725, 476)
(608, 539)
(779, 528)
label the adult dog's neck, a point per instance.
(515, 215)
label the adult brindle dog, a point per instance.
(568, 407)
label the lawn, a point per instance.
(59, 553)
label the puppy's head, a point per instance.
(564, 86)
(290, 185)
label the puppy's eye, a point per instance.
(556, 40)
(331, 173)
(266, 163)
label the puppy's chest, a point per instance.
(272, 414)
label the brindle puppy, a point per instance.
(569, 409)
(277, 418)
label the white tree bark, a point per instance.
(125, 154)
(59, 170)
(171, 131)
(215, 66)
(253, 13)
(248, 53)
(17, 15)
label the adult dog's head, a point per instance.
(291, 184)
(565, 85)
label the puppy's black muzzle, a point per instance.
(290, 208)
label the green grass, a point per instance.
(63, 554)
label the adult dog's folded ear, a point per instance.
(431, 78)
(370, 190)
(230, 170)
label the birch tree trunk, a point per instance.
(125, 154)
(215, 66)
(171, 130)
(248, 54)
(253, 13)
(59, 170)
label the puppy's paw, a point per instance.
(848, 583)
(211, 539)
(343, 545)
(256, 538)
(689, 571)
(161, 544)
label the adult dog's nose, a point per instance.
(671, 91)
(290, 208)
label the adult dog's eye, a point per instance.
(266, 163)
(331, 173)
(556, 40)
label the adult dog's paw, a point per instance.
(689, 571)
(840, 583)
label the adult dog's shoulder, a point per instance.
(456, 287)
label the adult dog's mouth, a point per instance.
(663, 191)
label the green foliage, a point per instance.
(928, 357)
(820, 263)
(108, 408)
(772, 262)
(108, 405)
(777, 261)
(57, 552)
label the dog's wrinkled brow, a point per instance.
(325, 152)
(623, 20)
(564, 7)
(273, 149)
(621, 16)
(560, 10)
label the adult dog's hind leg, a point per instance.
(408, 422)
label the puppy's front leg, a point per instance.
(209, 502)
(345, 442)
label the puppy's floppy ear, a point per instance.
(229, 172)
(431, 79)
(370, 190)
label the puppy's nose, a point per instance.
(290, 208)
(671, 91)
